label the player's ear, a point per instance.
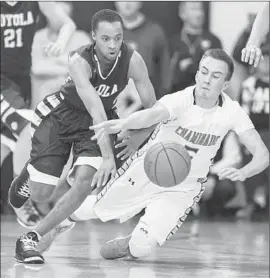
(225, 85)
(93, 35)
(196, 77)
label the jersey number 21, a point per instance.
(13, 38)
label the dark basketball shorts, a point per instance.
(56, 130)
(13, 105)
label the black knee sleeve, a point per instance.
(19, 190)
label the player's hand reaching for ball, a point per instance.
(252, 55)
(53, 49)
(106, 170)
(107, 127)
(232, 174)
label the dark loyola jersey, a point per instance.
(18, 26)
(108, 87)
(254, 98)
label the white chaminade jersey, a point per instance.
(201, 130)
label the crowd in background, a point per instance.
(172, 61)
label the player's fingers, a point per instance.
(258, 58)
(121, 144)
(236, 178)
(247, 55)
(252, 55)
(100, 178)
(123, 152)
(123, 135)
(97, 126)
(113, 172)
(126, 155)
(225, 173)
(231, 176)
(94, 180)
(243, 54)
(105, 178)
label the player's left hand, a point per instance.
(127, 141)
(106, 171)
(252, 55)
(53, 49)
(232, 174)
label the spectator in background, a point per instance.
(188, 46)
(252, 53)
(242, 69)
(49, 72)
(254, 98)
(148, 38)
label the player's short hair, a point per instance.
(105, 15)
(219, 54)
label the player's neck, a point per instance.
(192, 30)
(205, 103)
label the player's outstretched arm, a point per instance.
(260, 157)
(140, 119)
(80, 72)
(62, 22)
(251, 53)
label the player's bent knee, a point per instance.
(41, 192)
(86, 210)
(142, 242)
(83, 177)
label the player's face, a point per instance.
(193, 13)
(211, 78)
(128, 9)
(108, 37)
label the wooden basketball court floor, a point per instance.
(222, 250)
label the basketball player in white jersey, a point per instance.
(198, 117)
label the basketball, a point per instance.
(167, 163)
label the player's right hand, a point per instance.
(252, 55)
(106, 171)
(53, 49)
(107, 127)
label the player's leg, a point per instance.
(87, 159)
(163, 217)
(48, 157)
(63, 208)
(80, 178)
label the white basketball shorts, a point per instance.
(131, 191)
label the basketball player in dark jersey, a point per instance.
(18, 26)
(98, 73)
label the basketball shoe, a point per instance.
(46, 242)
(26, 249)
(116, 248)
